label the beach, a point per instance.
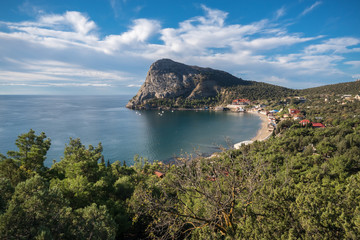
(263, 133)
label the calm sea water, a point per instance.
(122, 132)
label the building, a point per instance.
(304, 122)
(301, 99)
(241, 101)
(286, 116)
(274, 111)
(159, 174)
(293, 111)
(318, 125)
(298, 117)
(259, 106)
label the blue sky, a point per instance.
(107, 46)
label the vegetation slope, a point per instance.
(333, 89)
(302, 183)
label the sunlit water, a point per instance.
(122, 132)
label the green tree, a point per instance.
(35, 209)
(32, 151)
(6, 191)
(93, 222)
(79, 161)
(10, 169)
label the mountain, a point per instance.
(169, 80)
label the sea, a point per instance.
(124, 133)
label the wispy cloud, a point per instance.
(134, 85)
(335, 45)
(280, 12)
(312, 7)
(57, 84)
(356, 76)
(353, 63)
(55, 73)
(116, 7)
(66, 50)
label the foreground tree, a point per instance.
(32, 150)
(35, 210)
(199, 196)
(28, 160)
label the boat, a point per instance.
(240, 109)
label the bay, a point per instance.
(122, 132)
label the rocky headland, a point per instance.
(170, 79)
(172, 84)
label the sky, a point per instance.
(106, 47)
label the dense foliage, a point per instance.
(334, 89)
(302, 183)
(79, 197)
(256, 91)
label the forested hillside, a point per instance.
(256, 91)
(333, 89)
(302, 183)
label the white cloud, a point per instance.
(65, 50)
(353, 63)
(76, 21)
(213, 17)
(59, 74)
(80, 23)
(57, 84)
(274, 42)
(280, 12)
(134, 85)
(312, 7)
(140, 32)
(336, 45)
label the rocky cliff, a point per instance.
(169, 79)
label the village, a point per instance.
(284, 111)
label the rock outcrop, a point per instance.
(169, 79)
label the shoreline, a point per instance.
(263, 133)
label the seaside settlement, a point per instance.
(272, 117)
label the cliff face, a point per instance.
(169, 79)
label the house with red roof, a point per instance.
(294, 111)
(318, 125)
(304, 122)
(159, 174)
(241, 101)
(298, 117)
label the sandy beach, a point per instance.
(263, 132)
